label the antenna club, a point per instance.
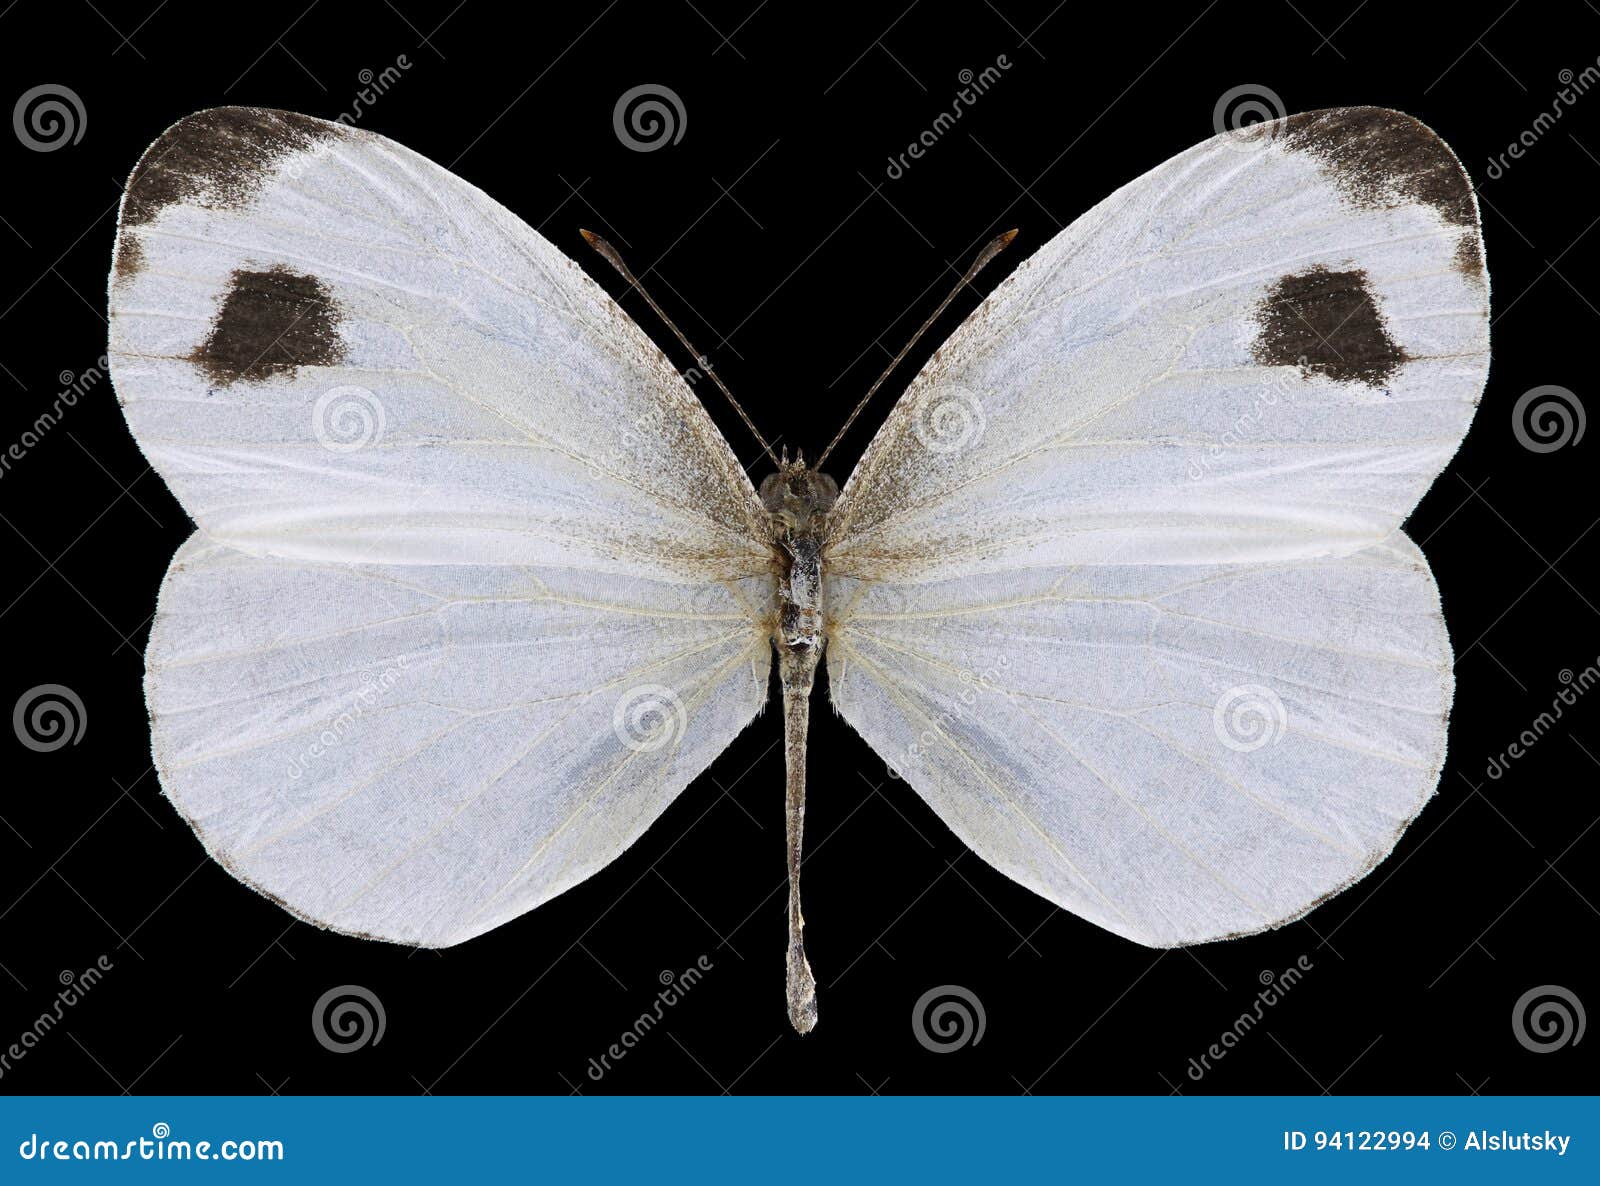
(607, 252)
(993, 248)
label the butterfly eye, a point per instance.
(824, 491)
(773, 489)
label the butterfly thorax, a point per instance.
(798, 499)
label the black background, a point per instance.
(772, 232)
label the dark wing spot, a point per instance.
(216, 159)
(271, 323)
(129, 256)
(1326, 323)
(1380, 159)
(1468, 258)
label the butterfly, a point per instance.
(1119, 588)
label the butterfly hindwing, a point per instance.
(1178, 753)
(422, 752)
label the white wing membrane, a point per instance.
(332, 348)
(421, 753)
(1256, 351)
(1176, 753)
(1146, 500)
(479, 588)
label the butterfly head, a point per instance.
(798, 495)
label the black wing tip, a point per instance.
(1381, 157)
(217, 157)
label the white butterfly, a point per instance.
(1119, 588)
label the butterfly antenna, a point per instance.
(609, 253)
(995, 246)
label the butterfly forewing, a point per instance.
(1263, 349)
(331, 347)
